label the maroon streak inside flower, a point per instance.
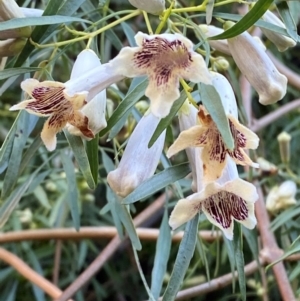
(224, 205)
(163, 57)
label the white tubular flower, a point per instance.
(155, 7)
(164, 58)
(281, 197)
(210, 31)
(258, 68)
(187, 117)
(62, 103)
(207, 136)
(11, 47)
(138, 162)
(228, 199)
(94, 110)
(9, 9)
(281, 42)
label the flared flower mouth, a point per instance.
(50, 99)
(165, 59)
(222, 204)
(214, 152)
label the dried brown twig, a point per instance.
(26, 271)
(93, 233)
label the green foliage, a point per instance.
(68, 190)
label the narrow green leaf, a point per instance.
(284, 217)
(165, 122)
(92, 154)
(184, 256)
(251, 237)
(129, 32)
(239, 258)
(129, 226)
(72, 196)
(285, 13)
(25, 125)
(30, 153)
(6, 73)
(128, 102)
(43, 20)
(212, 102)
(163, 247)
(41, 196)
(81, 157)
(53, 8)
(137, 261)
(5, 150)
(231, 255)
(157, 182)
(107, 162)
(259, 23)
(120, 123)
(113, 201)
(260, 7)
(12, 201)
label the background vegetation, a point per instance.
(45, 195)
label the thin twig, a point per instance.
(270, 249)
(25, 270)
(261, 123)
(109, 250)
(57, 258)
(93, 233)
(215, 284)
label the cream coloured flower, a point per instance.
(258, 68)
(210, 31)
(164, 58)
(138, 162)
(62, 103)
(281, 197)
(207, 136)
(280, 41)
(223, 201)
(94, 110)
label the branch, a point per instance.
(261, 123)
(26, 271)
(270, 249)
(93, 233)
(216, 283)
(109, 250)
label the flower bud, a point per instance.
(9, 9)
(281, 197)
(284, 140)
(258, 68)
(155, 7)
(138, 162)
(11, 47)
(221, 63)
(266, 167)
(281, 42)
(210, 31)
